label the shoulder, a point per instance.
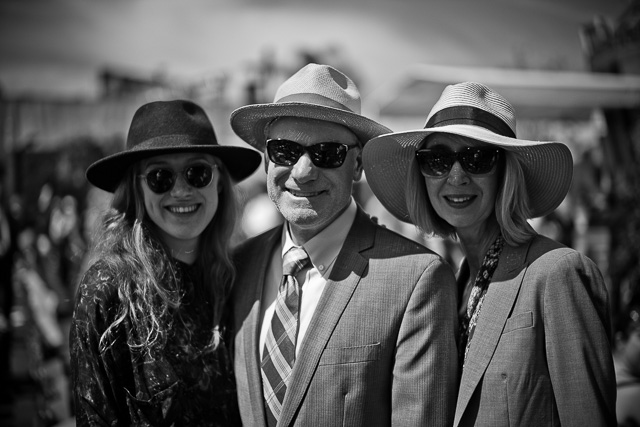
(97, 292)
(541, 245)
(390, 239)
(257, 244)
(412, 268)
(546, 251)
(563, 272)
(390, 244)
(99, 277)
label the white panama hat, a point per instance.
(315, 92)
(475, 111)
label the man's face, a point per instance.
(310, 197)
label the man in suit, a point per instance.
(364, 333)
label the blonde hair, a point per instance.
(512, 207)
(143, 270)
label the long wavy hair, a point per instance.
(150, 297)
(511, 209)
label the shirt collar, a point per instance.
(324, 247)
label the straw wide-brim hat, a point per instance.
(164, 127)
(475, 111)
(316, 92)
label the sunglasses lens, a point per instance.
(283, 152)
(199, 176)
(435, 162)
(324, 155)
(160, 180)
(475, 161)
(478, 160)
(328, 154)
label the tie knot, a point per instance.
(294, 260)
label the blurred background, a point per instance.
(72, 73)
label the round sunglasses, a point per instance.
(161, 180)
(328, 155)
(437, 162)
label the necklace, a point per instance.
(481, 283)
(181, 252)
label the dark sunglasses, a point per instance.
(161, 180)
(474, 160)
(327, 155)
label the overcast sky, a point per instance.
(57, 47)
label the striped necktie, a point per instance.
(280, 346)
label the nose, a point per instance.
(457, 175)
(181, 187)
(304, 170)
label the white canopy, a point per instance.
(535, 94)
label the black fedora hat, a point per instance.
(163, 127)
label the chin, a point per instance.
(188, 234)
(300, 217)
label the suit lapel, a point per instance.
(343, 281)
(497, 305)
(251, 334)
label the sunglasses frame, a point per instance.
(313, 151)
(460, 157)
(174, 174)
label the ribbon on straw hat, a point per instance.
(315, 92)
(475, 111)
(164, 127)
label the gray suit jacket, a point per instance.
(540, 354)
(380, 349)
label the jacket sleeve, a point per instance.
(425, 374)
(578, 342)
(96, 403)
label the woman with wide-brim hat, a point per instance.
(148, 339)
(534, 315)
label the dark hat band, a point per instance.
(175, 142)
(467, 115)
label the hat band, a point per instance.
(314, 98)
(467, 115)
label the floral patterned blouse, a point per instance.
(173, 387)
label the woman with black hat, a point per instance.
(147, 340)
(535, 330)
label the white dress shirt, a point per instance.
(323, 249)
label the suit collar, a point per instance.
(345, 276)
(497, 305)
